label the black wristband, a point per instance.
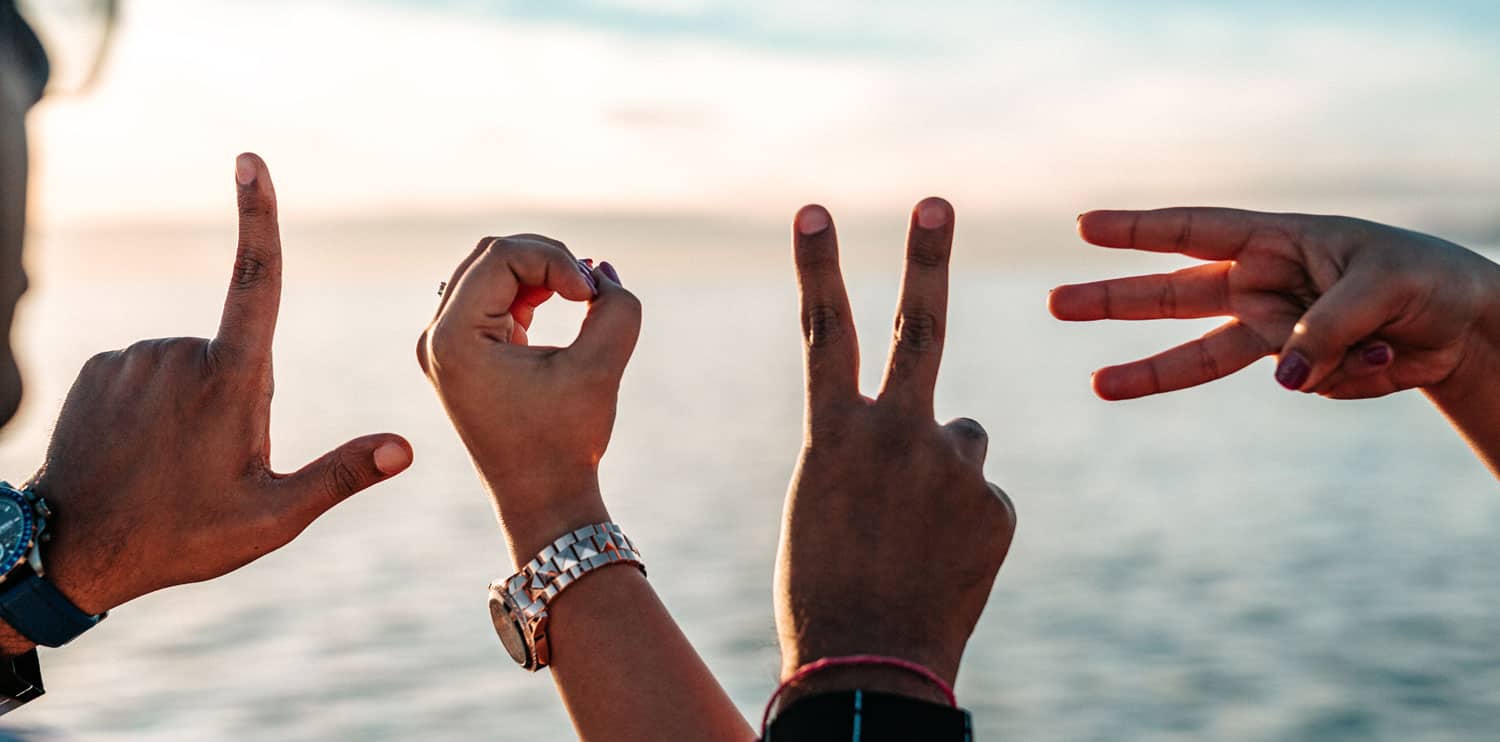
(40, 612)
(867, 716)
(20, 681)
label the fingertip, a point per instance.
(1057, 302)
(393, 456)
(933, 212)
(610, 273)
(812, 220)
(1090, 225)
(1107, 386)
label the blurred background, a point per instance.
(1228, 562)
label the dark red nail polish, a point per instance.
(588, 275)
(1293, 370)
(609, 271)
(1378, 354)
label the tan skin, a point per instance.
(1351, 308)
(892, 537)
(537, 421)
(159, 465)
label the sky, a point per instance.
(750, 108)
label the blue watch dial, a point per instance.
(16, 527)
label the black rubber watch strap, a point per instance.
(869, 717)
(20, 681)
(40, 612)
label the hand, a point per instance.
(1353, 309)
(159, 466)
(892, 536)
(536, 420)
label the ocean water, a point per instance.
(1230, 562)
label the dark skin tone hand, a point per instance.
(892, 537)
(1352, 309)
(159, 467)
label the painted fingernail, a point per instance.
(585, 267)
(932, 216)
(391, 458)
(812, 220)
(609, 272)
(244, 170)
(1378, 354)
(1293, 370)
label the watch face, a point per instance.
(15, 532)
(509, 630)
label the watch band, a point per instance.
(40, 612)
(869, 717)
(20, 681)
(519, 604)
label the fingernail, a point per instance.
(1378, 354)
(811, 221)
(1078, 219)
(391, 458)
(932, 216)
(1293, 371)
(585, 267)
(244, 169)
(609, 272)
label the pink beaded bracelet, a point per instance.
(855, 660)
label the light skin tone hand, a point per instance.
(1351, 308)
(537, 421)
(159, 467)
(892, 537)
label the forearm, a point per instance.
(1471, 401)
(624, 669)
(626, 672)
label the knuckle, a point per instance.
(343, 479)
(917, 331)
(816, 255)
(969, 428)
(929, 252)
(822, 325)
(1208, 365)
(251, 268)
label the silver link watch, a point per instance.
(518, 604)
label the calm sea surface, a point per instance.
(1232, 562)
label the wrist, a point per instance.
(875, 678)
(535, 509)
(1478, 371)
(70, 555)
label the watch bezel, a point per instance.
(509, 628)
(12, 557)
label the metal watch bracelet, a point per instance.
(518, 604)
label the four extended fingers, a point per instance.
(922, 316)
(248, 324)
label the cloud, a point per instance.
(1014, 107)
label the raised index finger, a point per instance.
(829, 344)
(922, 319)
(248, 323)
(1203, 233)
